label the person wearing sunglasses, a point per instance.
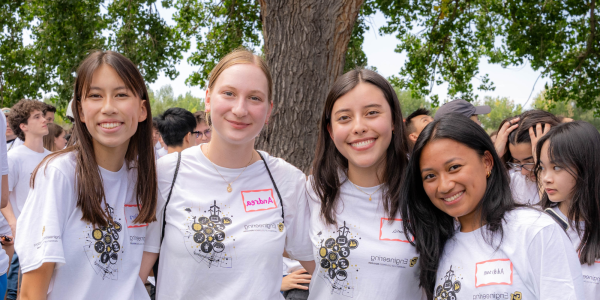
(177, 128)
(203, 130)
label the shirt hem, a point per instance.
(51, 259)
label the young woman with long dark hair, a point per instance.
(82, 230)
(355, 229)
(474, 241)
(231, 210)
(567, 167)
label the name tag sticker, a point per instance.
(392, 232)
(258, 200)
(131, 212)
(494, 272)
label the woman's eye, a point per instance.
(228, 94)
(255, 98)
(343, 118)
(557, 168)
(428, 176)
(372, 113)
(122, 95)
(454, 167)
(94, 96)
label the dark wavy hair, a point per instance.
(575, 146)
(430, 226)
(328, 160)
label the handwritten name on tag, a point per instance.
(494, 272)
(393, 231)
(131, 212)
(258, 200)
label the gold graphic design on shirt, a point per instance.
(280, 227)
(450, 287)
(413, 261)
(334, 256)
(103, 246)
(516, 296)
(204, 237)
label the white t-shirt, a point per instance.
(14, 144)
(290, 265)
(534, 261)
(591, 274)
(159, 151)
(364, 256)
(22, 161)
(91, 263)
(524, 190)
(3, 171)
(221, 245)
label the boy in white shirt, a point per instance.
(29, 124)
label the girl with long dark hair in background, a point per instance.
(567, 168)
(357, 237)
(474, 241)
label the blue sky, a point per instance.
(515, 83)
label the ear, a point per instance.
(413, 137)
(143, 111)
(330, 131)
(488, 161)
(80, 110)
(187, 139)
(23, 127)
(207, 101)
(269, 112)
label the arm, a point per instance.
(9, 215)
(148, 260)
(309, 266)
(35, 283)
(5, 201)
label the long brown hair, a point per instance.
(328, 160)
(140, 153)
(54, 131)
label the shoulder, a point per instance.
(281, 168)
(65, 163)
(527, 221)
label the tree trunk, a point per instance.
(305, 47)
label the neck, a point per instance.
(470, 222)
(174, 149)
(35, 143)
(563, 206)
(110, 158)
(229, 155)
(367, 177)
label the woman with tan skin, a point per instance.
(232, 210)
(82, 229)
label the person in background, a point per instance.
(28, 122)
(464, 108)
(55, 139)
(160, 149)
(6, 236)
(414, 124)
(203, 127)
(494, 136)
(10, 135)
(567, 165)
(176, 127)
(49, 113)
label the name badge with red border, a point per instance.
(393, 231)
(494, 272)
(131, 212)
(258, 200)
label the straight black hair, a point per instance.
(328, 160)
(174, 124)
(431, 227)
(575, 146)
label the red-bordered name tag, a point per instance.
(258, 200)
(392, 232)
(494, 272)
(131, 212)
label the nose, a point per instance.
(546, 178)
(108, 106)
(359, 126)
(239, 108)
(445, 184)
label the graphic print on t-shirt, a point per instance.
(334, 255)
(450, 287)
(103, 246)
(204, 237)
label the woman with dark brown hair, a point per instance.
(82, 230)
(55, 139)
(356, 229)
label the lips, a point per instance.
(551, 191)
(363, 144)
(238, 125)
(110, 125)
(454, 198)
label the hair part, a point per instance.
(139, 155)
(20, 113)
(574, 146)
(174, 124)
(329, 161)
(431, 227)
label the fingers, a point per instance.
(301, 271)
(298, 286)
(547, 128)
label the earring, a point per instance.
(489, 173)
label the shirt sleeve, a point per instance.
(13, 172)
(297, 218)
(556, 269)
(41, 226)
(3, 159)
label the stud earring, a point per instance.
(489, 173)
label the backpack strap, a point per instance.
(562, 222)
(274, 184)
(162, 235)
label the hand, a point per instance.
(502, 137)
(536, 135)
(4, 242)
(13, 228)
(293, 280)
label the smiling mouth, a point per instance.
(362, 144)
(110, 125)
(456, 196)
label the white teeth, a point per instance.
(454, 197)
(109, 125)
(363, 143)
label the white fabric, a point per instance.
(3, 171)
(591, 274)
(14, 144)
(524, 190)
(21, 163)
(290, 265)
(159, 151)
(91, 263)
(364, 256)
(221, 245)
(534, 261)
